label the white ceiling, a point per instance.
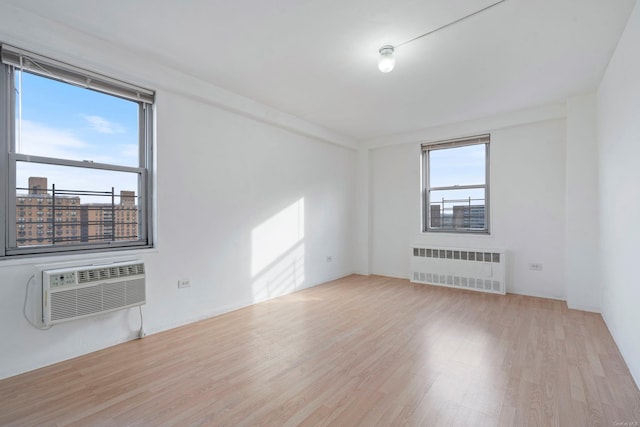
(318, 59)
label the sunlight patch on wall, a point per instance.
(277, 253)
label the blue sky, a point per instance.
(68, 122)
(458, 166)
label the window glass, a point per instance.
(30, 176)
(78, 148)
(455, 193)
(457, 166)
(457, 209)
(60, 120)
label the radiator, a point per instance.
(474, 269)
(77, 292)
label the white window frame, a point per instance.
(14, 59)
(427, 148)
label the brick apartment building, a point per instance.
(44, 217)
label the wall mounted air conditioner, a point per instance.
(76, 292)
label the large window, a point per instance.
(76, 158)
(456, 185)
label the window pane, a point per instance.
(63, 121)
(457, 209)
(58, 205)
(457, 166)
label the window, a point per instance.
(76, 141)
(456, 185)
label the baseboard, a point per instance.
(393, 275)
(584, 308)
(635, 375)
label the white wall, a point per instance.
(246, 210)
(583, 262)
(362, 212)
(279, 196)
(527, 206)
(618, 154)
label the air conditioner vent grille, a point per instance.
(113, 295)
(74, 303)
(97, 290)
(63, 305)
(104, 273)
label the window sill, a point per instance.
(455, 233)
(77, 258)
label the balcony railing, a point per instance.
(457, 214)
(55, 216)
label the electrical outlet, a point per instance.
(535, 266)
(184, 283)
(329, 258)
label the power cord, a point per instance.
(141, 333)
(24, 308)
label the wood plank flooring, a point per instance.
(369, 351)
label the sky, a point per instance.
(63, 121)
(457, 166)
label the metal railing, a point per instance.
(55, 216)
(457, 214)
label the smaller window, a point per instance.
(456, 185)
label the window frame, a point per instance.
(13, 60)
(426, 149)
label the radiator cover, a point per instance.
(464, 268)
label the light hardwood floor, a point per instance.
(358, 351)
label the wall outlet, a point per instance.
(184, 283)
(535, 266)
(329, 258)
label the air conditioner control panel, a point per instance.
(59, 279)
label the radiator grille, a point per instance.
(474, 269)
(457, 254)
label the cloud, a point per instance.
(42, 140)
(46, 141)
(102, 125)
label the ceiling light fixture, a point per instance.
(387, 61)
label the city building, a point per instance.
(457, 217)
(44, 217)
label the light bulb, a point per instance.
(386, 61)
